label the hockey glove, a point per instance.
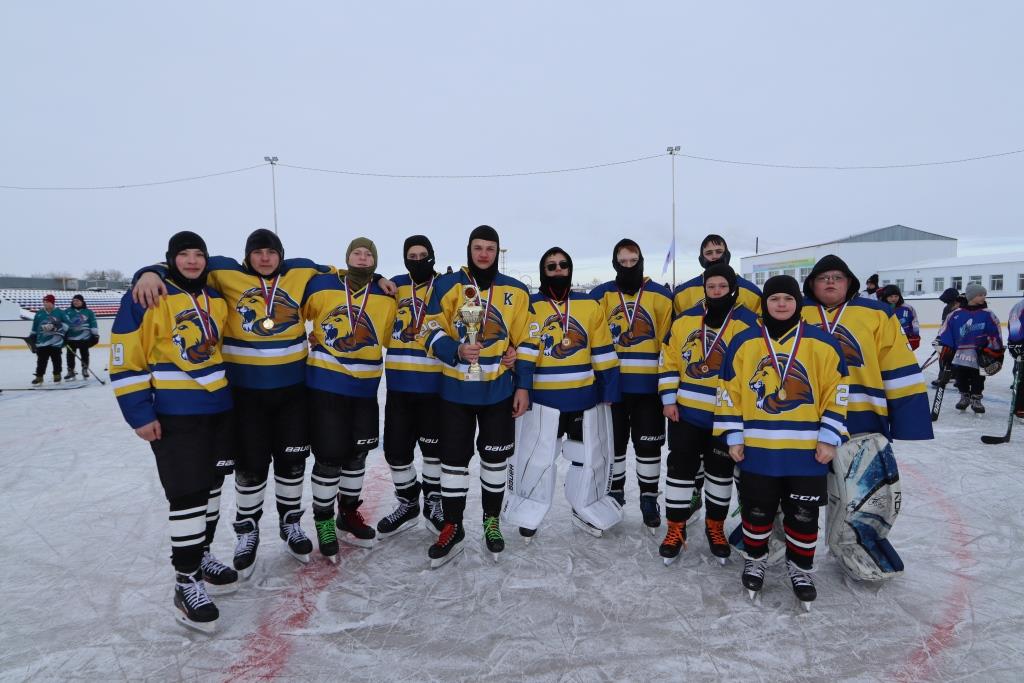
(990, 361)
(93, 341)
(946, 355)
(914, 341)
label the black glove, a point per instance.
(1016, 350)
(93, 341)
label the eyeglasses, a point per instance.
(560, 265)
(830, 278)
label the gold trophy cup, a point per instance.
(471, 313)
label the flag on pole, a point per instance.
(669, 256)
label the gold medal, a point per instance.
(782, 394)
(267, 324)
(566, 342)
(704, 367)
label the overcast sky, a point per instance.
(110, 93)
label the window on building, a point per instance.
(759, 278)
(772, 273)
(995, 283)
(899, 283)
(974, 280)
(790, 272)
(1020, 282)
(957, 282)
(804, 274)
(918, 286)
(939, 284)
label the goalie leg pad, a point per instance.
(532, 470)
(588, 479)
(864, 499)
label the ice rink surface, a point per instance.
(86, 581)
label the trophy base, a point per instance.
(472, 377)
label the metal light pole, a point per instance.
(273, 183)
(504, 261)
(672, 151)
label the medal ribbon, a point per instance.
(704, 331)
(775, 359)
(830, 328)
(268, 297)
(636, 306)
(564, 322)
(420, 309)
(206, 324)
(348, 300)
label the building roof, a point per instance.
(892, 233)
(960, 261)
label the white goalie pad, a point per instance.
(531, 470)
(863, 502)
(589, 477)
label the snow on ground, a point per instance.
(86, 582)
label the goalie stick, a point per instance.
(1005, 438)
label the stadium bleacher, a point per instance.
(104, 303)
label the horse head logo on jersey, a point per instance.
(851, 347)
(556, 342)
(189, 336)
(284, 312)
(774, 397)
(625, 334)
(404, 329)
(492, 329)
(697, 365)
(339, 334)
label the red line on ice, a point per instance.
(920, 664)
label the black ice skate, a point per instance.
(327, 538)
(71, 374)
(976, 405)
(219, 577)
(195, 608)
(403, 517)
(650, 511)
(433, 513)
(675, 540)
(38, 379)
(584, 525)
(352, 528)
(247, 540)
(753, 575)
(56, 378)
(803, 586)
(714, 529)
(965, 400)
(297, 542)
(696, 503)
(527, 534)
(492, 536)
(448, 545)
(85, 372)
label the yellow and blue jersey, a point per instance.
(691, 293)
(637, 332)
(507, 323)
(780, 424)
(887, 391)
(576, 364)
(167, 359)
(688, 375)
(408, 366)
(350, 332)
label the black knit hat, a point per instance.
(949, 295)
(263, 239)
(824, 265)
(183, 240)
(873, 279)
(79, 297)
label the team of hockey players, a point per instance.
(797, 393)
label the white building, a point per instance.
(865, 253)
(1001, 274)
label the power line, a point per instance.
(134, 185)
(851, 168)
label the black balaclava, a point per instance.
(484, 277)
(78, 297)
(422, 270)
(717, 239)
(629, 279)
(781, 284)
(717, 309)
(263, 239)
(555, 286)
(178, 243)
(872, 283)
(825, 264)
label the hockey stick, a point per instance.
(1005, 438)
(27, 340)
(931, 359)
(86, 365)
(944, 374)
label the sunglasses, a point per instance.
(552, 267)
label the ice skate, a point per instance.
(448, 545)
(247, 540)
(219, 577)
(56, 378)
(327, 538)
(492, 536)
(71, 374)
(714, 530)
(85, 372)
(527, 534)
(433, 514)
(976, 404)
(753, 575)
(696, 503)
(586, 526)
(297, 543)
(403, 517)
(619, 496)
(803, 585)
(352, 529)
(194, 607)
(675, 540)
(965, 400)
(38, 380)
(650, 511)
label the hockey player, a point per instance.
(48, 329)
(905, 314)
(713, 249)
(691, 363)
(576, 370)
(168, 375)
(950, 297)
(871, 288)
(476, 389)
(639, 313)
(83, 334)
(887, 400)
(972, 340)
(1015, 343)
(352, 323)
(781, 408)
